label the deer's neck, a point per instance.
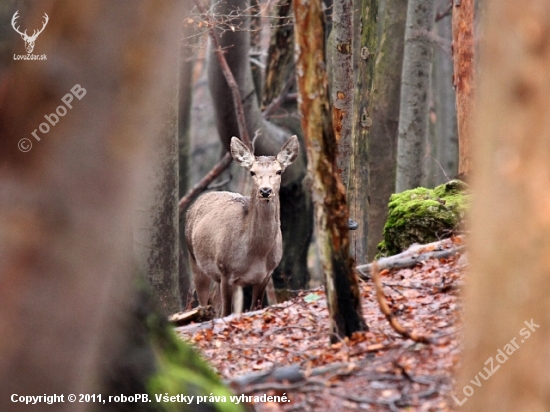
(263, 220)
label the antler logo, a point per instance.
(29, 40)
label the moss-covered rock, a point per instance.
(423, 215)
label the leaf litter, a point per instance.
(375, 370)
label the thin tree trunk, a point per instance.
(445, 127)
(329, 196)
(463, 57)
(364, 47)
(342, 83)
(256, 47)
(384, 116)
(280, 54)
(365, 51)
(414, 106)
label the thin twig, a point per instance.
(275, 104)
(444, 13)
(201, 186)
(226, 70)
(219, 184)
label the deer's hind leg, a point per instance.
(258, 293)
(202, 284)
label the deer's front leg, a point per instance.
(227, 296)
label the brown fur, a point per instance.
(236, 240)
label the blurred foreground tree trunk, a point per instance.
(329, 197)
(156, 232)
(74, 317)
(507, 331)
(463, 79)
(186, 62)
(415, 88)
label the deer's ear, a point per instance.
(240, 153)
(289, 152)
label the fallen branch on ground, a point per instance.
(384, 307)
(198, 314)
(290, 377)
(416, 254)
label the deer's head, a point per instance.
(29, 40)
(266, 171)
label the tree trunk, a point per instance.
(185, 99)
(156, 233)
(293, 267)
(329, 196)
(256, 47)
(445, 148)
(68, 299)
(463, 57)
(342, 84)
(507, 303)
(415, 88)
(358, 194)
(384, 116)
(280, 55)
(366, 24)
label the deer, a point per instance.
(236, 240)
(29, 40)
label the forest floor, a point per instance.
(376, 370)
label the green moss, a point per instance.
(181, 370)
(423, 215)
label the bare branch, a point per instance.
(229, 78)
(226, 159)
(447, 12)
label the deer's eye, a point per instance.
(252, 173)
(279, 172)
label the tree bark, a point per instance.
(384, 116)
(365, 40)
(185, 102)
(342, 84)
(463, 79)
(280, 54)
(157, 233)
(415, 88)
(364, 50)
(507, 293)
(329, 198)
(445, 148)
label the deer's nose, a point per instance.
(265, 192)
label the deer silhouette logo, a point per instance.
(29, 40)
